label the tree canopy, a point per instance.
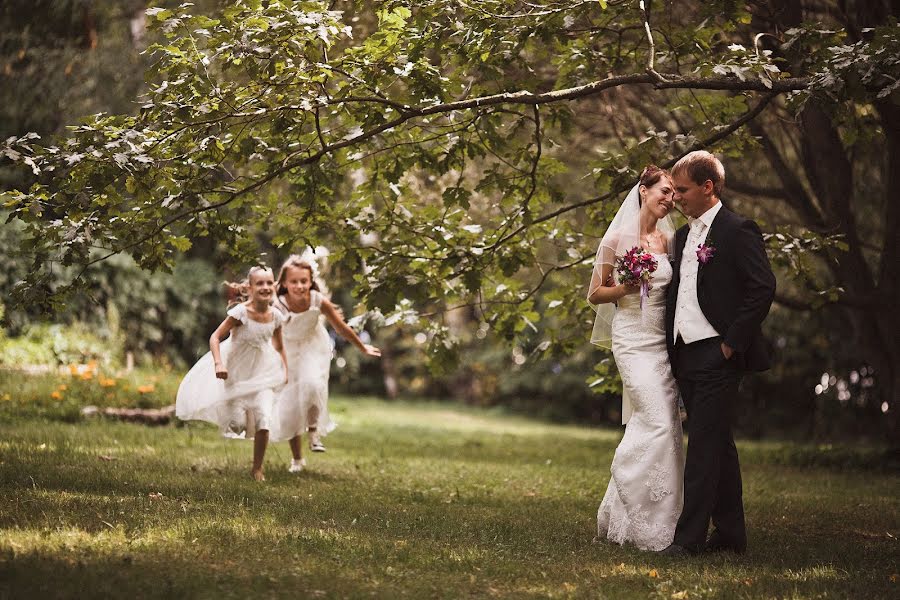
(470, 153)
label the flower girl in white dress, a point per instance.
(234, 384)
(303, 404)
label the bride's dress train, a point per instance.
(645, 494)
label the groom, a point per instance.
(721, 291)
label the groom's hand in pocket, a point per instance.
(727, 352)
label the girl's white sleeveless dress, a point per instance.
(255, 375)
(309, 351)
(645, 494)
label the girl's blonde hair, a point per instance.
(296, 261)
(239, 291)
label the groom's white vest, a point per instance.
(690, 322)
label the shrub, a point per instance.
(54, 344)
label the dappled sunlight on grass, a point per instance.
(440, 417)
(408, 501)
(821, 572)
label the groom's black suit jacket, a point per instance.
(735, 288)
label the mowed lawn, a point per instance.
(411, 500)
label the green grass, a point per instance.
(411, 500)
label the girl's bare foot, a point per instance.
(258, 474)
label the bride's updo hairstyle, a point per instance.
(650, 176)
(296, 261)
(239, 291)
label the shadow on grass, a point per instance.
(229, 560)
(401, 510)
(169, 572)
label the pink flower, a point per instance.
(705, 253)
(636, 266)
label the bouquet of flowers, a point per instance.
(636, 268)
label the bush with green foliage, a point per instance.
(55, 344)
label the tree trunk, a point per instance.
(389, 371)
(145, 416)
(887, 321)
(871, 289)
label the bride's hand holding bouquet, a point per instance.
(635, 271)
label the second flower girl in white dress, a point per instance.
(303, 404)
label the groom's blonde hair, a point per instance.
(699, 166)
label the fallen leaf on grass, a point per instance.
(106, 457)
(895, 578)
(155, 496)
(680, 595)
(653, 573)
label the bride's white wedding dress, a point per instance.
(645, 494)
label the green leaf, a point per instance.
(182, 244)
(160, 14)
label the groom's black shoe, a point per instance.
(718, 543)
(676, 550)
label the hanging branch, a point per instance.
(537, 159)
(651, 58)
(722, 134)
(520, 97)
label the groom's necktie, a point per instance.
(696, 228)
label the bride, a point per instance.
(645, 494)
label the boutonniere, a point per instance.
(705, 252)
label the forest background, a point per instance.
(460, 232)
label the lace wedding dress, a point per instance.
(645, 494)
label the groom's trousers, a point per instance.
(712, 475)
